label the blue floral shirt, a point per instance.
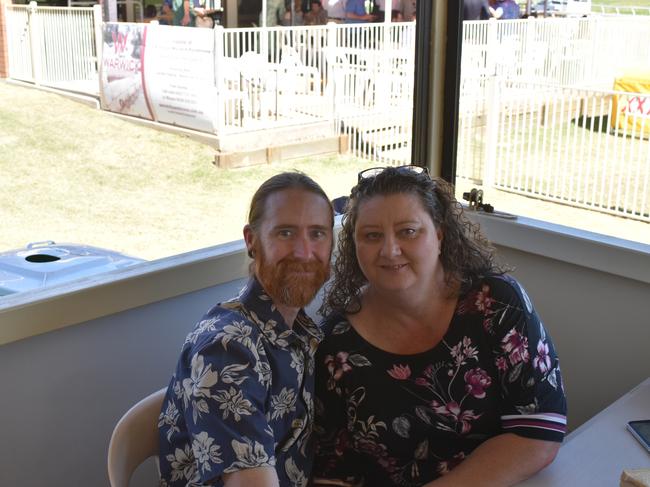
(405, 420)
(241, 396)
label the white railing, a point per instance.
(586, 148)
(52, 46)
(360, 77)
(569, 51)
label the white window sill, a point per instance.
(28, 314)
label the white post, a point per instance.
(492, 46)
(34, 45)
(99, 41)
(219, 33)
(330, 49)
(530, 48)
(264, 10)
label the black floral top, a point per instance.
(241, 396)
(404, 420)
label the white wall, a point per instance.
(63, 391)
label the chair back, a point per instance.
(134, 439)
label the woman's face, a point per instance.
(397, 244)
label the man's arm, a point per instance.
(500, 461)
(252, 477)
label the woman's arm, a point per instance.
(500, 461)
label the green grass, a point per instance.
(70, 173)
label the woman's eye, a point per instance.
(373, 235)
(409, 232)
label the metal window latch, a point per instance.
(475, 203)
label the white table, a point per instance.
(597, 452)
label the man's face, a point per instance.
(315, 7)
(292, 247)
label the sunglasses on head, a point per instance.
(376, 171)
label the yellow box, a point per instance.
(631, 111)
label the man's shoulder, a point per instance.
(222, 320)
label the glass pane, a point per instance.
(554, 121)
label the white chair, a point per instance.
(134, 439)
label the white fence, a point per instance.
(587, 148)
(358, 76)
(583, 52)
(528, 87)
(54, 46)
(527, 90)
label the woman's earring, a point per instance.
(251, 253)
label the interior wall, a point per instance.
(599, 324)
(64, 391)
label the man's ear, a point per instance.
(249, 240)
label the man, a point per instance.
(239, 408)
(476, 10)
(317, 15)
(355, 12)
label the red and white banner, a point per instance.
(160, 73)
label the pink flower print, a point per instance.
(542, 361)
(457, 352)
(468, 350)
(483, 301)
(400, 372)
(501, 363)
(337, 366)
(447, 466)
(421, 381)
(452, 410)
(516, 346)
(477, 380)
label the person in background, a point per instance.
(435, 369)
(317, 15)
(476, 10)
(166, 16)
(239, 407)
(150, 13)
(355, 12)
(183, 14)
(505, 10)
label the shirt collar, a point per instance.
(261, 310)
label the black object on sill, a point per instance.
(475, 203)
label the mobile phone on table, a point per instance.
(641, 431)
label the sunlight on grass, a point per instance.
(70, 173)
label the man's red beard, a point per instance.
(285, 282)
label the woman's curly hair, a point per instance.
(466, 255)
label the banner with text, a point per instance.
(160, 73)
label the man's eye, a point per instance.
(285, 233)
(318, 234)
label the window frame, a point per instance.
(435, 124)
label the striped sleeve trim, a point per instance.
(542, 421)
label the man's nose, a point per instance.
(302, 248)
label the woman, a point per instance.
(436, 369)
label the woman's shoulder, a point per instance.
(336, 323)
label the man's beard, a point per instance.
(284, 283)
